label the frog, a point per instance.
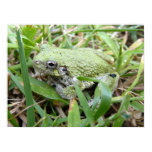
(63, 67)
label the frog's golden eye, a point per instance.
(51, 64)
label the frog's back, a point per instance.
(81, 62)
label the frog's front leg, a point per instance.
(67, 92)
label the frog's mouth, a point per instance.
(55, 73)
(51, 72)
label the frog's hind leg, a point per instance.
(87, 84)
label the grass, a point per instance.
(27, 88)
(44, 107)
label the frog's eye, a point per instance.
(51, 64)
(112, 75)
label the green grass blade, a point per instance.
(59, 121)
(84, 123)
(97, 98)
(112, 45)
(12, 120)
(119, 59)
(74, 114)
(30, 41)
(18, 66)
(137, 106)
(118, 118)
(119, 99)
(88, 39)
(106, 96)
(140, 70)
(107, 30)
(84, 104)
(45, 121)
(118, 122)
(45, 90)
(17, 81)
(15, 46)
(124, 103)
(27, 88)
(131, 52)
(49, 35)
(97, 30)
(12, 45)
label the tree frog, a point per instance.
(63, 66)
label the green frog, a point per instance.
(63, 66)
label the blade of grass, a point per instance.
(18, 66)
(88, 38)
(67, 41)
(37, 107)
(140, 70)
(118, 122)
(49, 35)
(12, 45)
(97, 98)
(107, 30)
(15, 46)
(84, 123)
(12, 120)
(106, 96)
(27, 88)
(74, 114)
(119, 59)
(112, 45)
(45, 122)
(59, 121)
(137, 106)
(84, 104)
(97, 30)
(131, 52)
(120, 98)
(45, 90)
(124, 105)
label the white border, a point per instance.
(75, 12)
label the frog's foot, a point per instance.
(66, 92)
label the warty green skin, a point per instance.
(78, 62)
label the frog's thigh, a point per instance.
(66, 92)
(87, 84)
(102, 77)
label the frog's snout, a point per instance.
(37, 62)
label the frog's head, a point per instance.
(49, 63)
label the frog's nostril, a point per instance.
(113, 75)
(64, 69)
(37, 62)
